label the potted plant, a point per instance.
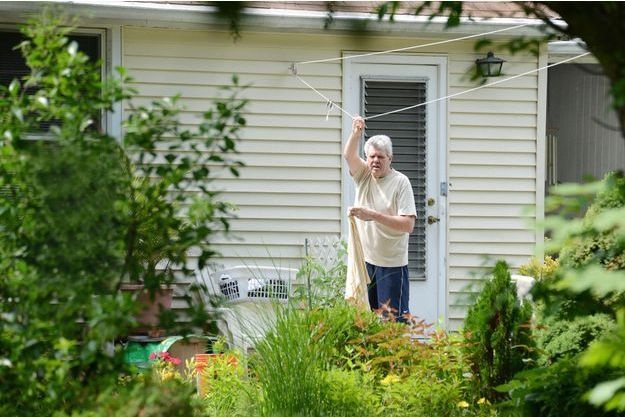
(170, 209)
(210, 366)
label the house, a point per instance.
(584, 140)
(477, 160)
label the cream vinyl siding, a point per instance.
(492, 171)
(291, 187)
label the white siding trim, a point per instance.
(541, 133)
(114, 60)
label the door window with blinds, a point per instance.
(407, 130)
(13, 66)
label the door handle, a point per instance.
(432, 219)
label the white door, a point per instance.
(374, 85)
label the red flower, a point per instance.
(165, 356)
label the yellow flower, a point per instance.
(483, 401)
(390, 379)
(167, 375)
(462, 404)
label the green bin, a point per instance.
(138, 353)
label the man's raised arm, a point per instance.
(350, 151)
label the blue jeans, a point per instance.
(389, 285)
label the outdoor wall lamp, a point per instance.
(489, 66)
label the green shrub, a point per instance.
(417, 396)
(557, 338)
(146, 398)
(343, 361)
(540, 270)
(228, 391)
(555, 391)
(590, 281)
(594, 243)
(590, 245)
(324, 284)
(349, 393)
(78, 217)
(498, 334)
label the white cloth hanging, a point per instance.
(357, 275)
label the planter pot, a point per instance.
(207, 367)
(151, 305)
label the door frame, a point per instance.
(437, 134)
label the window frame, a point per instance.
(110, 56)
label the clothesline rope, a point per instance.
(409, 47)
(328, 101)
(477, 88)
(332, 104)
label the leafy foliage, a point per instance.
(557, 338)
(81, 211)
(540, 270)
(498, 334)
(554, 391)
(225, 388)
(342, 361)
(325, 283)
(595, 244)
(590, 280)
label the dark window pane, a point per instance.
(13, 65)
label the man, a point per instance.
(386, 211)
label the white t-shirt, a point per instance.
(391, 195)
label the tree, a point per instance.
(605, 40)
(574, 20)
(81, 211)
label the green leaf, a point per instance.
(201, 173)
(17, 112)
(609, 219)
(482, 44)
(604, 391)
(595, 279)
(14, 87)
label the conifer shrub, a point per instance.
(498, 335)
(557, 339)
(598, 246)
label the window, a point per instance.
(14, 66)
(407, 129)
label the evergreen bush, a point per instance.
(498, 335)
(557, 338)
(555, 391)
(590, 245)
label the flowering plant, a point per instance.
(164, 365)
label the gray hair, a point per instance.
(380, 143)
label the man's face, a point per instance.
(378, 162)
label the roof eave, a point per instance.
(200, 17)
